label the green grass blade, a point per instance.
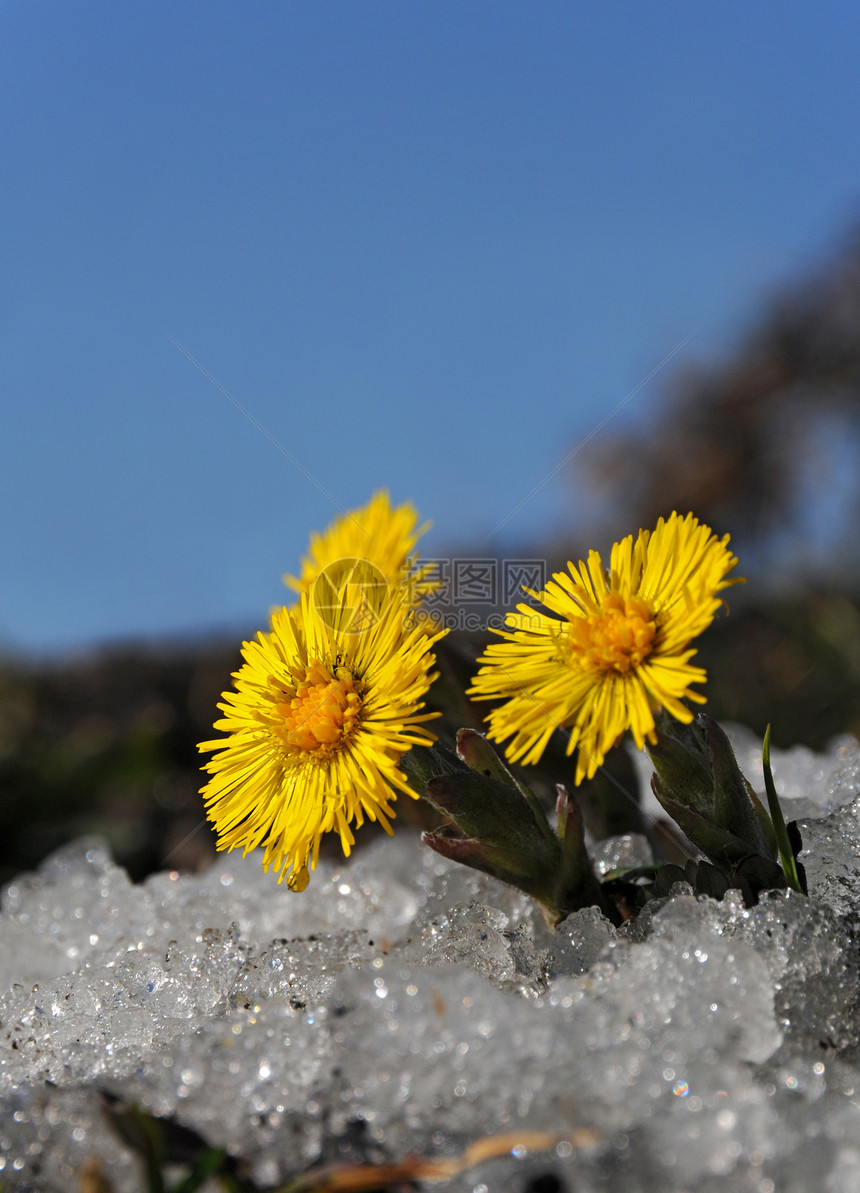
(786, 855)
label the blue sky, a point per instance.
(426, 245)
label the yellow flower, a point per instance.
(378, 532)
(609, 648)
(325, 705)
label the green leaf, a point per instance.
(497, 831)
(479, 755)
(720, 845)
(700, 785)
(423, 763)
(786, 853)
(577, 884)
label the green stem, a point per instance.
(537, 809)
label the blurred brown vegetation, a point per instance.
(107, 744)
(765, 446)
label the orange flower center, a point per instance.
(618, 637)
(323, 712)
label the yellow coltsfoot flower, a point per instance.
(325, 705)
(609, 648)
(383, 535)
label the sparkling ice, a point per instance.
(403, 1005)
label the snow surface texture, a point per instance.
(406, 1005)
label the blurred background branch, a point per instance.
(764, 445)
